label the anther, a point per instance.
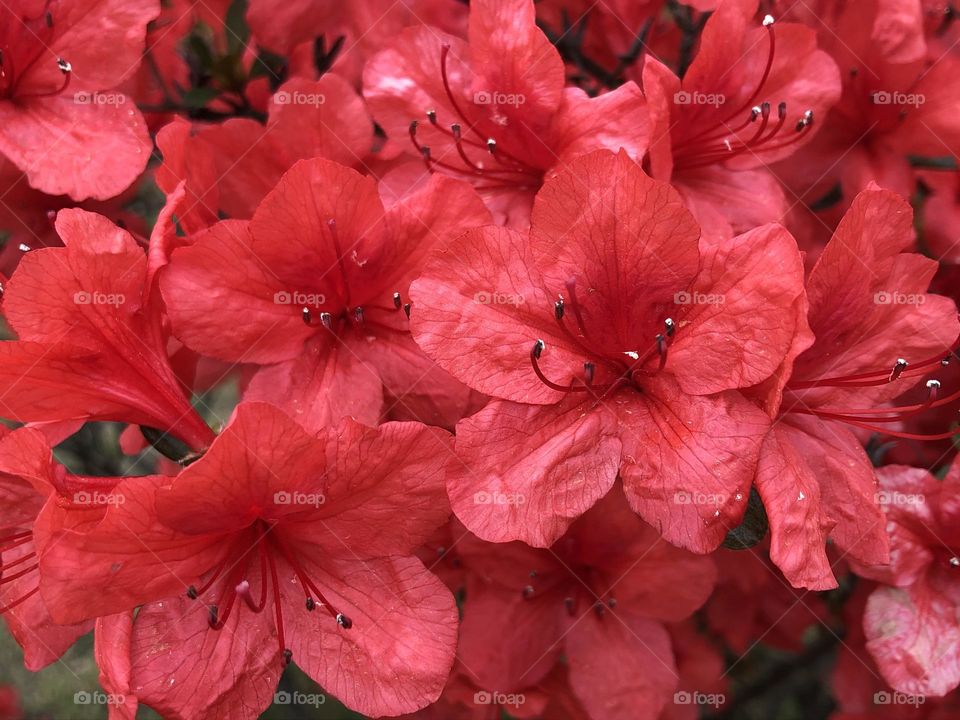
(307, 317)
(326, 319)
(358, 315)
(528, 592)
(569, 604)
(805, 121)
(397, 301)
(898, 369)
(538, 347)
(311, 604)
(65, 67)
(431, 116)
(287, 656)
(767, 20)
(344, 622)
(558, 309)
(588, 371)
(669, 327)
(955, 561)
(406, 310)
(192, 593)
(491, 145)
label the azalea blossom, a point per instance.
(909, 620)
(613, 337)
(59, 122)
(265, 551)
(91, 343)
(754, 94)
(854, 357)
(314, 289)
(493, 109)
(599, 597)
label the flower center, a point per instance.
(624, 368)
(583, 593)
(495, 169)
(338, 314)
(720, 140)
(233, 575)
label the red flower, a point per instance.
(599, 597)
(229, 168)
(612, 339)
(494, 110)
(91, 344)
(751, 96)
(873, 333)
(28, 479)
(911, 623)
(312, 288)
(896, 102)
(57, 123)
(270, 524)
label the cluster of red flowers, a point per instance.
(573, 349)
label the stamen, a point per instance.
(306, 316)
(535, 353)
(19, 601)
